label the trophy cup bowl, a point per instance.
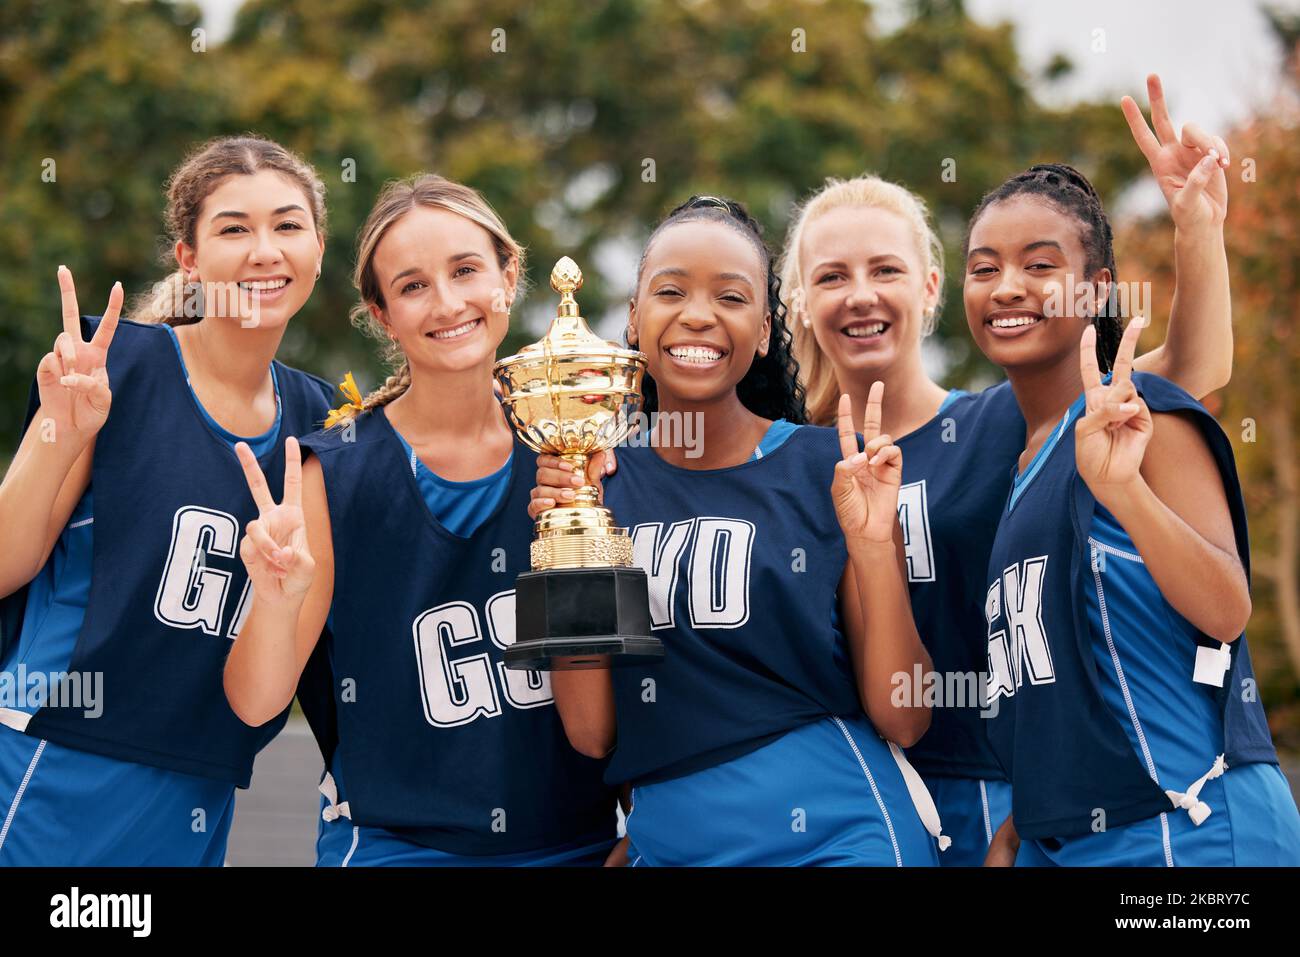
(571, 394)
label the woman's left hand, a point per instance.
(865, 488)
(1111, 438)
(1189, 169)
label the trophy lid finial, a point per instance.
(566, 277)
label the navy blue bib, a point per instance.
(1066, 753)
(744, 566)
(168, 591)
(436, 739)
(954, 487)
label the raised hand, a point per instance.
(274, 548)
(865, 488)
(1189, 169)
(73, 379)
(1111, 437)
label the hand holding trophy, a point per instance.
(570, 394)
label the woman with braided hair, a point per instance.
(392, 557)
(863, 273)
(1116, 595)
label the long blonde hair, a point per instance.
(397, 199)
(202, 171)
(872, 192)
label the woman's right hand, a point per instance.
(72, 380)
(274, 548)
(557, 482)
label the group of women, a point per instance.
(1073, 540)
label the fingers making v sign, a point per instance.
(1189, 168)
(1111, 437)
(865, 487)
(274, 548)
(72, 379)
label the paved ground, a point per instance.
(275, 819)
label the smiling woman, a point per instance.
(263, 209)
(121, 511)
(423, 475)
(1133, 474)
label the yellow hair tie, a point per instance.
(349, 409)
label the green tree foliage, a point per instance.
(582, 123)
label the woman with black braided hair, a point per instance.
(776, 584)
(1119, 682)
(863, 273)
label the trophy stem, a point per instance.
(586, 495)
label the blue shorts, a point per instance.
(68, 808)
(340, 843)
(1253, 823)
(972, 810)
(827, 793)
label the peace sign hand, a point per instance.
(72, 380)
(865, 488)
(274, 548)
(1189, 170)
(1111, 438)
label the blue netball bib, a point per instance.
(168, 591)
(1071, 764)
(744, 566)
(954, 487)
(436, 739)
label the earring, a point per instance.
(807, 323)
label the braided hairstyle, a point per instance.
(1069, 190)
(771, 387)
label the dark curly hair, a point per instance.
(1069, 190)
(771, 388)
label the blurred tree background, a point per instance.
(583, 123)
(1259, 409)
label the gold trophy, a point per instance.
(571, 394)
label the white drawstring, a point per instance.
(1190, 800)
(334, 810)
(921, 798)
(12, 718)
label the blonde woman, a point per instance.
(863, 270)
(404, 531)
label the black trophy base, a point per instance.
(568, 619)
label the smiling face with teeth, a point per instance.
(446, 295)
(1022, 250)
(255, 234)
(700, 313)
(865, 289)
